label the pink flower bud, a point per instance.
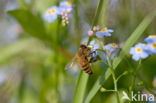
(69, 10)
(96, 28)
(90, 32)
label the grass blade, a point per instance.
(81, 87)
(83, 77)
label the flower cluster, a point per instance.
(64, 10)
(94, 45)
(142, 50)
(100, 32)
(110, 50)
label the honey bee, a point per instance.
(82, 58)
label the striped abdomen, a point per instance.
(86, 67)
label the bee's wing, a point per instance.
(73, 66)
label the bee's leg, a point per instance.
(91, 53)
(93, 59)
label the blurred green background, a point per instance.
(34, 53)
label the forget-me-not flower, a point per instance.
(111, 47)
(138, 52)
(150, 39)
(104, 32)
(151, 48)
(94, 46)
(66, 6)
(112, 50)
(52, 13)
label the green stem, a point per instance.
(58, 32)
(83, 77)
(109, 91)
(124, 73)
(76, 21)
(114, 79)
(76, 16)
(57, 61)
(115, 84)
(97, 14)
(81, 87)
(135, 75)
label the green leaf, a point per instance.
(130, 42)
(31, 23)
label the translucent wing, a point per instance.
(73, 66)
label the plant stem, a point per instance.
(135, 75)
(114, 79)
(83, 77)
(76, 21)
(109, 91)
(81, 87)
(124, 73)
(97, 14)
(115, 85)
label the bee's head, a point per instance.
(83, 46)
(86, 50)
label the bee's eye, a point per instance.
(83, 46)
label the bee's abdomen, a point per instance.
(86, 68)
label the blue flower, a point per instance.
(111, 47)
(112, 50)
(66, 6)
(138, 52)
(150, 39)
(104, 32)
(94, 46)
(151, 48)
(51, 14)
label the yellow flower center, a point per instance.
(69, 3)
(103, 30)
(154, 45)
(90, 46)
(52, 11)
(152, 36)
(113, 44)
(138, 50)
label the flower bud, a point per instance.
(90, 32)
